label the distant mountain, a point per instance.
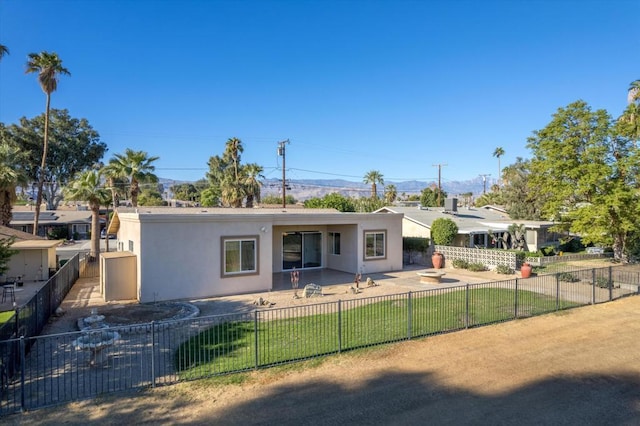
(303, 189)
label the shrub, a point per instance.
(460, 264)
(443, 231)
(476, 267)
(573, 245)
(547, 251)
(415, 244)
(504, 269)
(602, 282)
(568, 277)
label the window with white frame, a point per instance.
(240, 255)
(334, 243)
(375, 245)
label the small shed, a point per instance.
(118, 276)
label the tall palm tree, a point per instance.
(390, 194)
(232, 192)
(499, 152)
(136, 166)
(233, 149)
(10, 177)
(374, 177)
(633, 94)
(87, 186)
(48, 66)
(3, 50)
(252, 172)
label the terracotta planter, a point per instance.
(437, 259)
(525, 270)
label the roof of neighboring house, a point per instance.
(468, 220)
(6, 232)
(51, 217)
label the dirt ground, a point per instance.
(576, 367)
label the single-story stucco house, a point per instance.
(35, 259)
(474, 225)
(203, 252)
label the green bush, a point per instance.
(573, 245)
(460, 264)
(547, 251)
(504, 269)
(476, 267)
(415, 244)
(568, 277)
(443, 231)
(602, 282)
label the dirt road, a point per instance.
(576, 367)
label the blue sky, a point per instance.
(395, 86)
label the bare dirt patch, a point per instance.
(576, 367)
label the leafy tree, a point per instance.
(586, 169)
(518, 198)
(335, 200)
(374, 177)
(151, 197)
(73, 146)
(277, 199)
(136, 166)
(11, 175)
(48, 66)
(443, 231)
(429, 197)
(499, 152)
(87, 186)
(390, 194)
(6, 252)
(208, 198)
(186, 192)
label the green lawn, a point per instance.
(232, 346)
(6, 316)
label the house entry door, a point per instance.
(301, 250)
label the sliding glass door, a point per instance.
(301, 250)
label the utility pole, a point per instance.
(484, 182)
(439, 166)
(282, 152)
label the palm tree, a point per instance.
(87, 186)
(10, 177)
(48, 66)
(390, 194)
(373, 177)
(3, 50)
(136, 166)
(252, 172)
(633, 94)
(499, 152)
(232, 192)
(233, 149)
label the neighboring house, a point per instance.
(474, 226)
(35, 258)
(198, 252)
(76, 224)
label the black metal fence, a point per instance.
(72, 366)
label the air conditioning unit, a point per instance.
(451, 205)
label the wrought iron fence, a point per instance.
(55, 369)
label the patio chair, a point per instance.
(9, 290)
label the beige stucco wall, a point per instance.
(180, 255)
(32, 264)
(412, 229)
(118, 276)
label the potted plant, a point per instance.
(443, 232)
(437, 259)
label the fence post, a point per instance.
(22, 373)
(409, 315)
(557, 291)
(153, 354)
(255, 332)
(515, 310)
(593, 286)
(339, 325)
(610, 284)
(466, 317)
